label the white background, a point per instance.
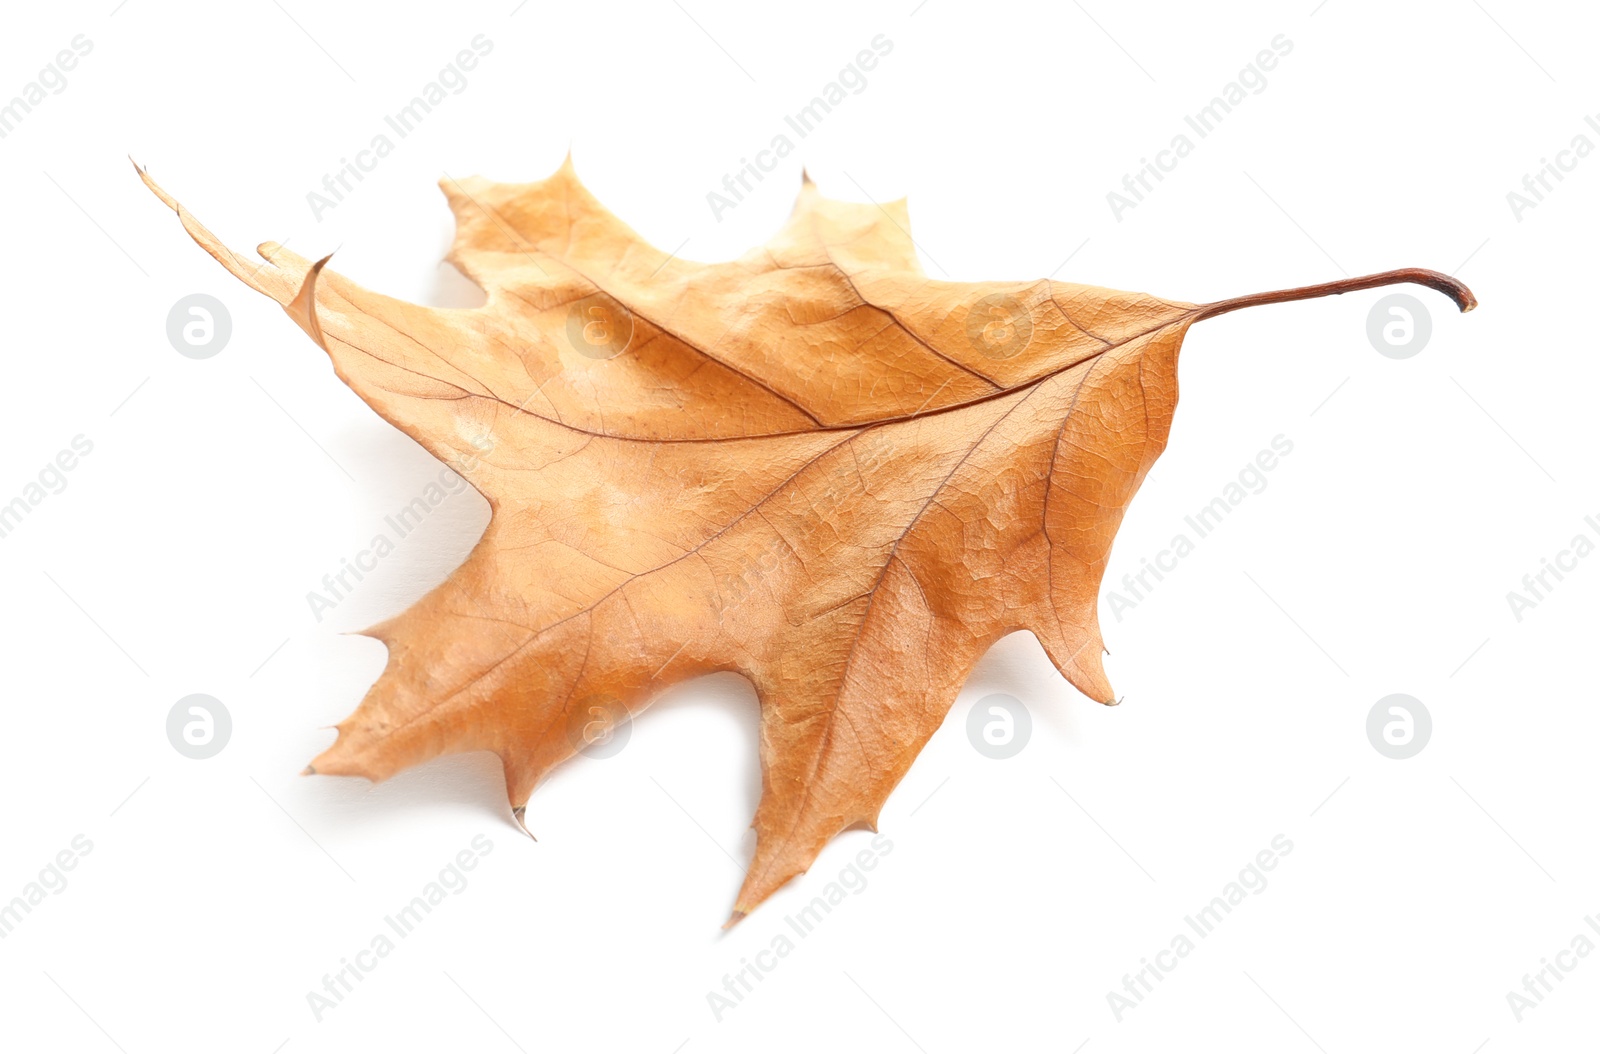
(1018, 893)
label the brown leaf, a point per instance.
(813, 465)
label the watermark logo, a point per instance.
(337, 586)
(1537, 184)
(851, 80)
(1540, 983)
(1251, 479)
(52, 479)
(199, 726)
(450, 80)
(810, 512)
(999, 726)
(851, 880)
(1537, 585)
(1251, 80)
(52, 879)
(1399, 326)
(1251, 881)
(52, 79)
(599, 327)
(450, 881)
(999, 326)
(198, 326)
(599, 727)
(1399, 726)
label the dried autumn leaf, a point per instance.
(812, 465)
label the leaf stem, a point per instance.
(1445, 284)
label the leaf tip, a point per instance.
(348, 757)
(268, 283)
(1449, 285)
(303, 308)
(155, 188)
